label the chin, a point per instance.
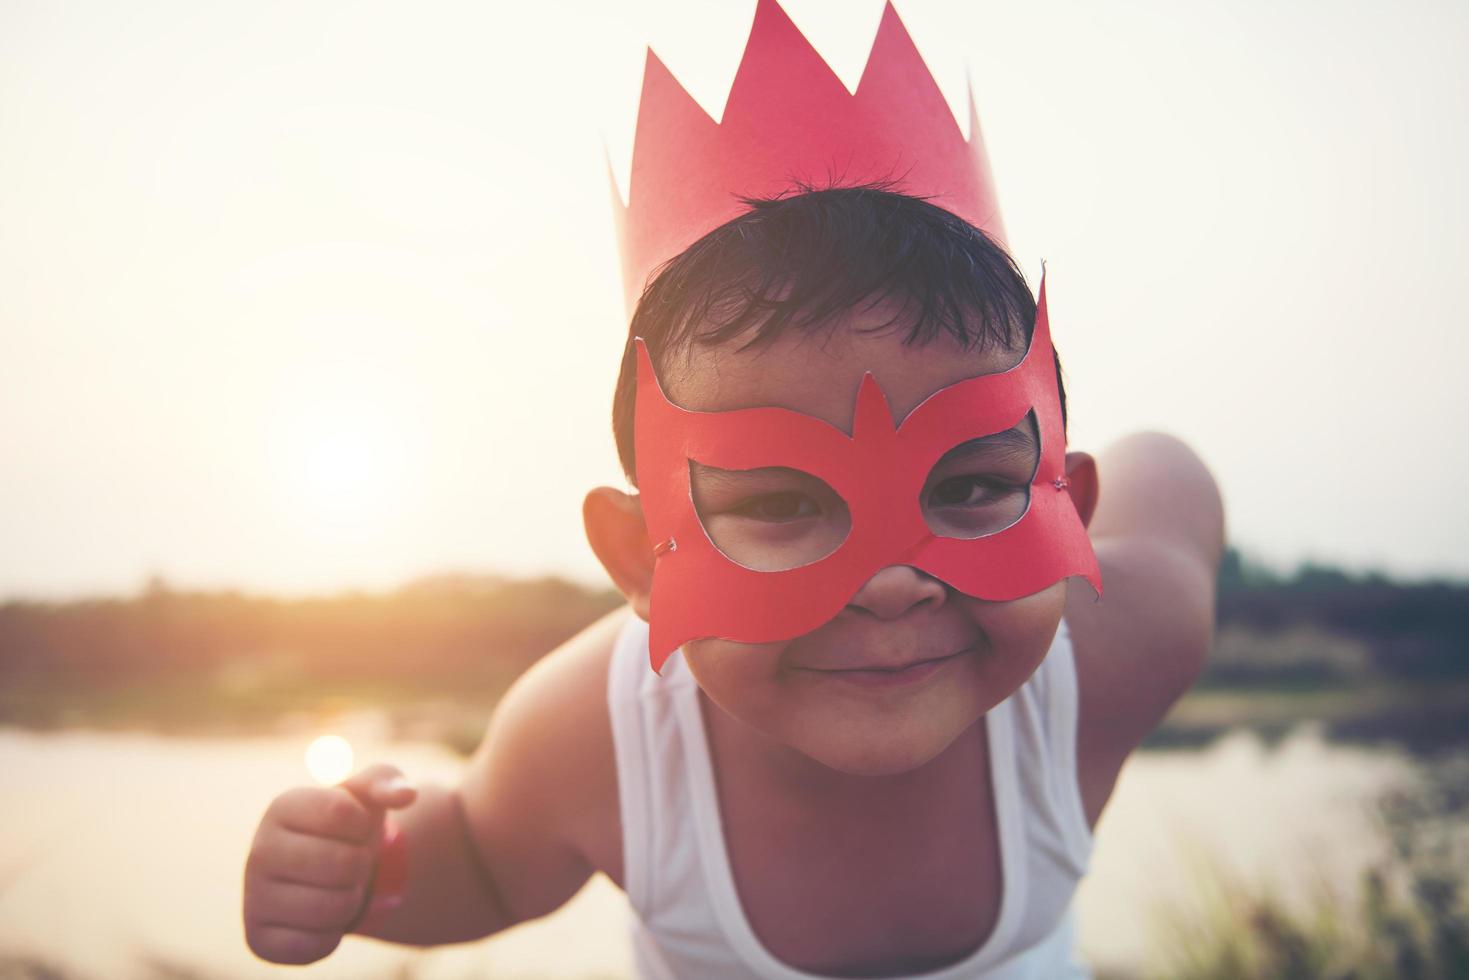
(882, 750)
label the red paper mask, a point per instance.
(879, 470)
(789, 118)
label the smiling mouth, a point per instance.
(908, 668)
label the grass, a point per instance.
(1408, 920)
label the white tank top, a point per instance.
(688, 923)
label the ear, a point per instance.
(1081, 480)
(619, 537)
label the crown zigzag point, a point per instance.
(789, 118)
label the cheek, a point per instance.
(1019, 634)
(741, 678)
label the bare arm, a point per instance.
(1154, 487)
(1158, 532)
(533, 816)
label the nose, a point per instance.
(896, 590)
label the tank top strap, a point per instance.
(630, 743)
(1064, 710)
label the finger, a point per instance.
(295, 906)
(382, 786)
(280, 944)
(326, 812)
(285, 855)
(394, 794)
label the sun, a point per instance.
(345, 473)
(343, 458)
(347, 469)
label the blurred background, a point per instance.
(309, 322)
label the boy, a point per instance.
(885, 720)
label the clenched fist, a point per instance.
(311, 864)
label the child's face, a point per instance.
(909, 663)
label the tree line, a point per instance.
(469, 633)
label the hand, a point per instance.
(311, 864)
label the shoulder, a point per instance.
(543, 783)
(1158, 533)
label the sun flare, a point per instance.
(342, 453)
(329, 759)
(344, 472)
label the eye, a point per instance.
(983, 485)
(970, 491)
(777, 508)
(771, 518)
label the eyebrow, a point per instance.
(1018, 441)
(713, 479)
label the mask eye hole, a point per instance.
(770, 519)
(982, 486)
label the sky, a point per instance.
(303, 297)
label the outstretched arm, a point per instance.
(1158, 531)
(1154, 488)
(533, 815)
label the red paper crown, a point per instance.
(789, 121)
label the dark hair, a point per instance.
(800, 259)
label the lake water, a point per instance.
(115, 849)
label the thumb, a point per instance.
(381, 787)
